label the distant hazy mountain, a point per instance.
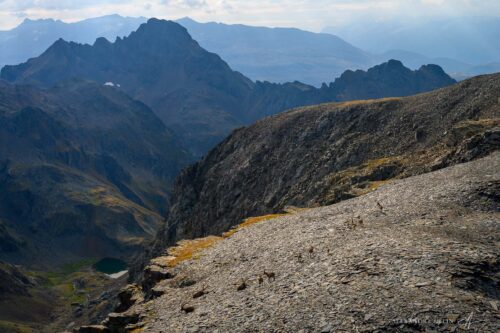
(471, 40)
(279, 54)
(32, 37)
(457, 69)
(84, 171)
(466, 45)
(194, 91)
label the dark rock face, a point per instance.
(194, 91)
(122, 322)
(153, 274)
(322, 154)
(128, 296)
(84, 171)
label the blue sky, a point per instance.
(307, 14)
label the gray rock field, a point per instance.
(416, 255)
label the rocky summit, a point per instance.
(415, 255)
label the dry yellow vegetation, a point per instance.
(189, 249)
(249, 221)
(485, 122)
(192, 248)
(366, 101)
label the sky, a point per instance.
(311, 15)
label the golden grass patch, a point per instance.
(189, 249)
(367, 101)
(376, 184)
(192, 248)
(485, 122)
(137, 330)
(373, 164)
(249, 221)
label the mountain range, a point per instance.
(94, 138)
(91, 168)
(276, 55)
(471, 40)
(106, 161)
(265, 54)
(195, 92)
(283, 54)
(103, 154)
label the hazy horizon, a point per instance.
(304, 14)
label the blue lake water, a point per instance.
(110, 265)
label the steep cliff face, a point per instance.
(84, 171)
(322, 154)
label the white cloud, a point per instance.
(307, 14)
(186, 3)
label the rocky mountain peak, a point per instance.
(393, 63)
(102, 42)
(161, 32)
(60, 48)
(438, 70)
(30, 23)
(391, 66)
